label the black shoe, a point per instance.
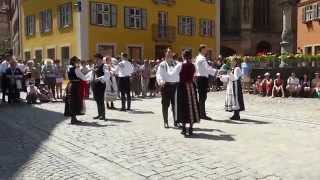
(97, 117)
(166, 125)
(184, 131)
(175, 124)
(206, 118)
(102, 118)
(190, 132)
(235, 118)
(123, 110)
(75, 121)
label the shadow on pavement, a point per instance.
(207, 130)
(118, 121)
(22, 147)
(227, 121)
(241, 121)
(223, 137)
(92, 124)
(140, 112)
(253, 121)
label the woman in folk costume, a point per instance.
(234, 96)
(187, 104)
(111, 92)
(74, 103)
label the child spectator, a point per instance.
(316, 85)
(305, 86)
(257, 88)
(267, 85)
(293, 85)
(277, 89)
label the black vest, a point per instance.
(98, 71)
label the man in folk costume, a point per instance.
(124, 71)
(203, 70)
(14, 77)
(168, 83)
(74, 103)
(99, 86)
(234, 97)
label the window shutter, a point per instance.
(303, 17)
(179, 24)
(59, 17)
(50, 20)
(213, 28)
(126, 17)
(93, 13)
(113, 16)
(193, 26)
(70, 15)
(144, 18)
(26, 26)
(315, 11)
(41, 22)
(33, 26)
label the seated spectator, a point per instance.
(267, 85)
(293, 85)
(305, 86)
(32, 93)
(45, 94)
(257, 88)
(316, 85)
(277, 90)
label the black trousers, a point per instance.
(168, 97)
(203, 85)
(124, 88)
(98, 94)
(4, 87)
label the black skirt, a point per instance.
(152, 84)
(73, 103)
(187, 104)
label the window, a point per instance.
(308, 50)
(38, 55)
(308, 13)
(206, 28)
(135, 53)
(65, 16)
(27, 55)
(103, 14)
(208, 1)
(30, 26)
(51, 53)
(106, 50)
(317, 50)
(186, 25)
(65, 56)
(46, 21)
(135, 18)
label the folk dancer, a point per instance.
(187, 104)
(234, 97)
(74, 104)
(136, 79)
(99, 86)
(4, 85)
(203, 70)
(168, 81)
(111, 92)
(14, 78)
(124, 71)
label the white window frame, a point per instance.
(136, 16)
(107, 11)
(206, 27)
(65, 15)
(30, 25)
(186, 25)
(309, 13)
(46, 21)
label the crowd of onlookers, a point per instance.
(293, 86)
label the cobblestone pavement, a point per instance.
(277, 139)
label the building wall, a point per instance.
(308, 34)
(122, 38)
(4, 26)
(56, 39)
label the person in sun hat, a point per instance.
(267, 85)
(278, 89)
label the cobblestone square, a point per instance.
(276, 139)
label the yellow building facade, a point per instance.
(60, 29)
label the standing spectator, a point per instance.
(59, 78)
(277, 89)
(305, 86)
(246, 72)
(267, 85)
(37, 74)
(4, 83)
(49, 74)
(136, 79)
(146, 72)
(293, 85)
(152, 82)
(111, 92)
(14, 77)
(85, 69)
(316, 84)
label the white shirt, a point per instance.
(22, 67)
(293, 81)
(80, 75)
(166, 73)
(124, 69)
(3, 67)
(202, 67)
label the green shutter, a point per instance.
(126, 17)
(144, 18)
(180, 24)
(193, 26)
(93, 13)
(113, 16)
